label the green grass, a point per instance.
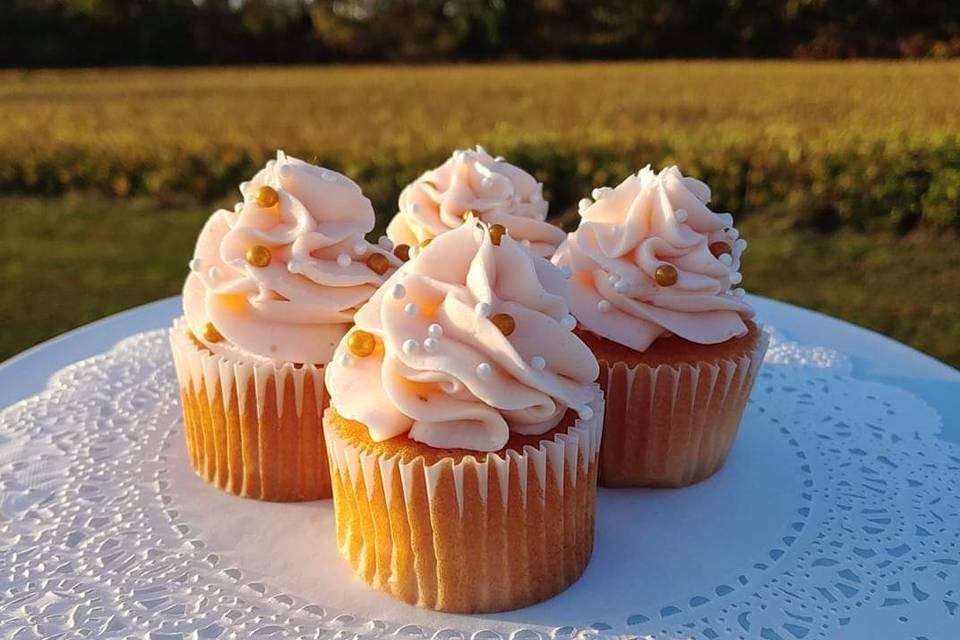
(66, 262)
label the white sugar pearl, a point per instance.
(538, 363)
(739, 293)
(600, 192)
(344, 359)
(360, 248)
(412, 252)
(620, 286)
(410, 346)
(566, 272)
(385, 243)
(344, 260)
(214, 272)
(286, 171)
(293, 266)
(484, 371)
(584, 203)
(244, 186)
(398, 291)
(741, 245)
(415, 208)
(435, 331)
(196, 264)
(238, 207)
(431, 344)
(328, 175)
(482, 309)
(569, 323)
(733, 233)
(603, 306)
(525, 243)
(736, 277)
(586, 413)
(411, 309)
(726, 258)
(681, 215)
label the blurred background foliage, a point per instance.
(178, 32)
(843, 175)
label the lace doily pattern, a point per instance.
(93, 545)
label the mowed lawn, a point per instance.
(67, 261)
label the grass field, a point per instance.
(68, 261)
(844, 176)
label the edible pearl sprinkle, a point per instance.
(726, 258)
(603, 306)
(733, 233)
(586, 413)
(410, 346)
(258, 256)
(411, 309)
(741, 244)
(681, 215)
(620, 286)
(482, 309)
(431, 344)
(484, 371)
(566, 272)
(584, 203)
(286, 171)
(538, 363)
(237, 208)
(599, 192)
(378, 263)
(385, 243)
(398, 291)
(412, 252)
(739, 293)
(267, 197)
(666, 275)
(435, 331)
(736, 277)
(344, 360)
(569, 323)
(344, 260)
(196, 264)
(214, 272)
(361, 343)
(360, 248)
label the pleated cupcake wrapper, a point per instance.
(672, 425)
(253, 429)
(471, 536)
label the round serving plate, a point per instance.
(836, 515)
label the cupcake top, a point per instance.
(472, 183)
(650, 259)
(281, 276)
(469, 342)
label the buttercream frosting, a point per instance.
(296, 307)
(494, 190)
(443, 371)
(649, 222)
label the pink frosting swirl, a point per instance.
(297, 307)
(471, 180)
(443, 372)
(654, 221)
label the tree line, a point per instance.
(57, 33)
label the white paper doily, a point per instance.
(837, 515)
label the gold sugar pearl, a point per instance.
(267, 197)
(497, 232)
(470, 213)
(361, 343)
(258, 256)
(504, 322)
(210, 333)
(402, 251)
(378, 263)
(666, 275)
(719, 248)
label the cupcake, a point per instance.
(272, 289)
(464, 428)
(651, 271)
(473, 184)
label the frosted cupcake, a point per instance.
(652, 269)
(463, 430)
(472, 184)
(272, 289)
